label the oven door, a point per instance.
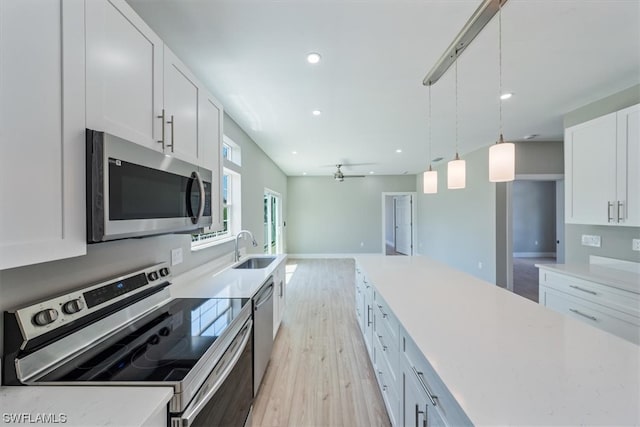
(134, 191)
(226, 396)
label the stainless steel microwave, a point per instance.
(134, 191)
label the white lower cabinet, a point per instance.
(412, 392)
(601, 306)
(279, 299)
(42, 131)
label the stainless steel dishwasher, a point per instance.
(263, 331)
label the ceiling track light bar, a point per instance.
(471, 29)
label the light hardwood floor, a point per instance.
(319, 374)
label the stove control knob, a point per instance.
(44, 317)
(164, 272)
(164, 331)
(73, 306)
(152, 276)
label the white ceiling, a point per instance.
(557, 56)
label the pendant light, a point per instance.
(430, 177)
(502, 154)
(456, 169)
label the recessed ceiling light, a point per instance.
(316, 112)
(371, 172)
(304, 173)
(398, 150)
(294, 152)
(313, 58)
(437, 159)
(533, 135)
(506, 95)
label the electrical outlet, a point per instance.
(635, 245)
(588, 240)
(176, 256)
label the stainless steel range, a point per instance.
(129, 331)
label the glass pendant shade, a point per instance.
(502, 162)
(430, 182)
(456, 174)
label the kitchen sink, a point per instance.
(255, 263)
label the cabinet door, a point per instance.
(368, 315)
(628, 176)
(590, 171)
(210, 139)
(417, 409)
(279, 299)
(42, 215)
(181, 94)
(124, 73)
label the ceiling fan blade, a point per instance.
(354, 176)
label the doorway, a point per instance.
(398, 213)
(272, 222)
(537, 230)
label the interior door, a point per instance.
(404, 224)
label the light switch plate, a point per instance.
(589, 240)
(176, 256)
(635, 245)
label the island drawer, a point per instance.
(598, 293)
(389, 384)
(416, 364)
(386, 323)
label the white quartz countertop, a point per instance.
(620, 279)
(228, 283)
(82, 406)
(508, 360)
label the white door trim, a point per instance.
(279, 225)
(414, 217)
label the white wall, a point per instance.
(458, 227)
(326, 216)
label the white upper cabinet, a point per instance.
(602, 157)
(181, 94)
(210, 140)
(42, 121)
(628, 189)
(124, 73)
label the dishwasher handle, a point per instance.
(265, 296)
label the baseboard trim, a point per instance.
(534, 254)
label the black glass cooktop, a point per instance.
(163, 346)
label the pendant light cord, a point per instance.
(500, 65)
(429, 154)
(456, 72)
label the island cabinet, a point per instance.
(602, 306)
(412, 392)
(602, 170)
(42, 131)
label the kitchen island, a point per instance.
(504, 359)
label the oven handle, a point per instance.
(195, 175)
(187, 417)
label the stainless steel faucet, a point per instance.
(253, 242)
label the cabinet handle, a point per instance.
(281, 294)
(579, 313)
(423, 383)
(620, 217)
(171, 122)
(418, 413)
(609, 216)
(384, 347)
(384, 315)
(583, 289)
(369, 315)
(161, 117)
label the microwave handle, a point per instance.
(195, 175)
(189, 415)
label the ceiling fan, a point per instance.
(339, 176)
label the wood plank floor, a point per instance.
(320, 373)
(525, 276)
